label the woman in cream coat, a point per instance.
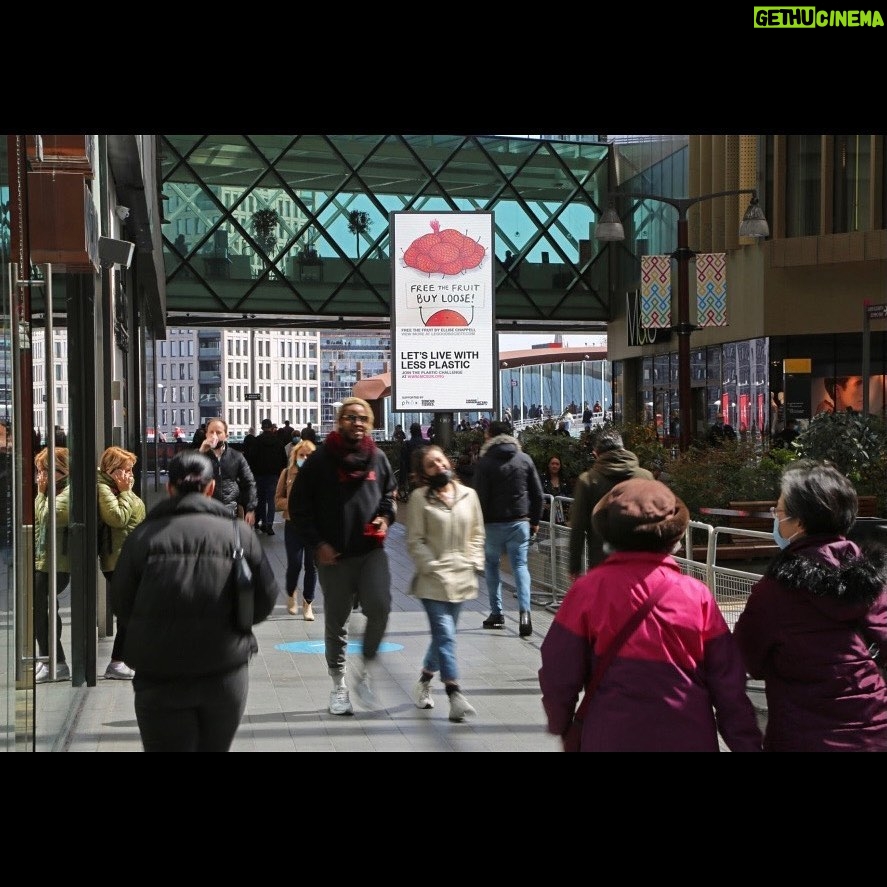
(445, 538)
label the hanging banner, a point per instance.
(711, 289)
(655, 292)
(443, 334)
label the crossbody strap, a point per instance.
(609, 654)
(238, 548)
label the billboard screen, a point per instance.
(443, 335)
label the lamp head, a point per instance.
(754, 223)
(609, 228)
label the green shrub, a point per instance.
(712, 477)
(855, 444)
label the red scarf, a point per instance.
(353, 463)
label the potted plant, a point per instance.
(359, 222)
(264, 223)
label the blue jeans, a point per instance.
(441, 654)
(513, 537)
(297, 553)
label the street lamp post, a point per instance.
(753, 224)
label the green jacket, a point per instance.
(41, 526)
(120, 514)
(609, 469)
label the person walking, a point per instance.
(814, 628)
(58, 476)
(297, 551)
(285, 432)
(294, 441)
(612, 464)
(510, 493)
(445, 539)
(173, 588)
(120, 512)
(414, 442)
(267, 459)
(235, 485)
(342, 503)
(678, 678)
(308, 433)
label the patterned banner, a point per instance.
(655, 292)
(711, 289)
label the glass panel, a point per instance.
(803, 176)
(850, 185)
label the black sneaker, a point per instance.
(494, 620)
(526, 624)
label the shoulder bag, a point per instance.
(244, 599)
(573, 737)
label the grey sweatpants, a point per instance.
(366, 579)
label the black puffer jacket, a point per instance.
(235, 482)
(171, 586)
(507, 482)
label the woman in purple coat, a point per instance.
(815, 626)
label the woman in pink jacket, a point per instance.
(679, 679)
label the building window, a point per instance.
(803, 177)
(852, 175)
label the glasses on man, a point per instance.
(362, 420)
(774, 512)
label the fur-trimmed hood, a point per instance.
(832, 569)
(509, 445)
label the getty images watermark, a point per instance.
(811, 17)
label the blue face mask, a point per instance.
(778, 538)
(300, 463)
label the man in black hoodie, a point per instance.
(267, 458)
(511, 498)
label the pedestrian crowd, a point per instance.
(638, 657)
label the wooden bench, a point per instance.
(754, 514)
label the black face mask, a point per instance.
(438, 481)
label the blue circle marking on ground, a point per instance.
(318, 647)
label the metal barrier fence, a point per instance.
(549, 560)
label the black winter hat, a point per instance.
(640, 515)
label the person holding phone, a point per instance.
(235, 483)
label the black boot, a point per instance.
(526, 624)
(494, 620)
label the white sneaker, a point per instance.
(119, 671)
(42, 675)
(422, 695)
(340, 702)
(364, 689)
(460, 707)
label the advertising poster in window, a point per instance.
(443, 335)
(838, 393)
